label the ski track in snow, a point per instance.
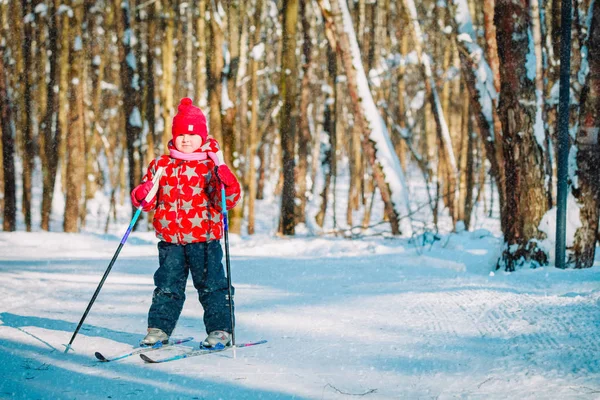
(343, 319)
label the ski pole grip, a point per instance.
(154, 189)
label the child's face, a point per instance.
(188, 143)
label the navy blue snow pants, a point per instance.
(203, 260)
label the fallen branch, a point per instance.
(351, 394)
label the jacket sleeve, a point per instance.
(233, 193)
(148, 177)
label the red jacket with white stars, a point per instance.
(188, 202)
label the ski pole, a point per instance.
(227, 263)
(123, 240)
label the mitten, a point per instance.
(226, 176)
(140, 192)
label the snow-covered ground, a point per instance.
(376, 318)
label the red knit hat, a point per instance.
(189, 120)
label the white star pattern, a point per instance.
(188, 238)
(164, 222)
(187, 205)
(196, 221)
(167, 189)
(197, 190)
(190, 172)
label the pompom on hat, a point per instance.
(189, 120)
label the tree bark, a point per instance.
(287, 124)
(304, 139)
(51, 128)
(130, 86)
(586, 188)
(26, 112)
(201, 55)
(253, 129)
(524, 156)
(8, 151)
(215, 69)
(168, 62)
(75, 138)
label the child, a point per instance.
(187, 220)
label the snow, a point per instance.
(417, 102)
(377, 317)
(257, 52)
(392, 318)
(530, 60)
(65, 9)
(41, 9)
(78, 45)
(548, 226)
(135, 118)
(131, 62)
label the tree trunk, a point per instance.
(328, 145)
(8, 151)
(51, 128)
(201, 55)
(586, 188)
(229, 107)
(63, 95)
(287, 124)
(253, 129)
(490, 40)
(215, 69)
(26, 111)
(304, 139)
(540, 89)
(151, 109)
(524, 154)
(130, 86)
(75, 138)
(168, 62)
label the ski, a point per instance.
(141, 350)
(199, 352)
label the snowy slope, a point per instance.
(383, 318)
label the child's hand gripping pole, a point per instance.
(148, 198)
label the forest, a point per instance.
(298, 93)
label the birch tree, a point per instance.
(523, 139)
(586, 182)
